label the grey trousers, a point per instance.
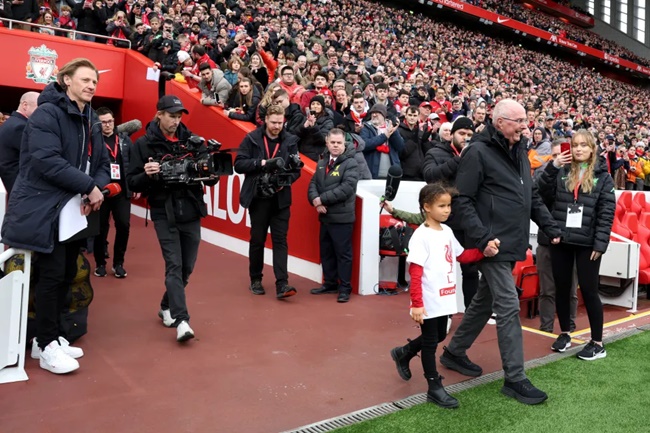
(496, 293)
(547, 291)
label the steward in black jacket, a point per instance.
(497, 197)
(336, 187)
(175, 202)
(441, 163)
(599, 206)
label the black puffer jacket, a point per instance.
(412, 156)
(497, 197)
(336, 189)
(176, 202)
(249, 159)
(312, 139)
(598, 206)
(441, 163)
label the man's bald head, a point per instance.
(509, 118)
(28, 103)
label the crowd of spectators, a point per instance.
(541, 20)
(329, 62)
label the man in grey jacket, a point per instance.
(214, 86)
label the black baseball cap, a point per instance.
(171, 104)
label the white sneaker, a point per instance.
(184, 332)
(492, 320)
(54, 359)
(166, 317)
(71, 351)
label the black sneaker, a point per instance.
(524, 392)
(322, 290)
(119, 271)
(343, 297)
(562, 343)
(592, 351)
(100, 271)
(285, 292)
(256, 287)
(461, 364)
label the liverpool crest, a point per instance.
(42, 65)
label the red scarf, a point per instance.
(357, 118)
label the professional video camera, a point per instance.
(192, 162)
(277, 174)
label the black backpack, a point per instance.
(394, 235)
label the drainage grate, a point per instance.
(405, 403)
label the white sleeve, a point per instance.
(418, 248)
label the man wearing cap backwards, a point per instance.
(176, 209)
(383, 142)
(62, 156)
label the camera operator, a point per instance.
(176, 209)
(268, 204)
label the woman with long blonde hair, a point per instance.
(580, 194)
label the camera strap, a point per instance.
(268, 153)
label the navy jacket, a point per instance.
(53, 157)
(497, 197)
(373, 139)
(11, 134)
(336, 189)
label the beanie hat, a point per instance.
(319, 99)
(462, 122)
(378, 108)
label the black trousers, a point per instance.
(470, 282)
(336, 255)
(265, 213)
(562, 259)
(434, 331)
(180, 247)
(55, 273)
(120, 208)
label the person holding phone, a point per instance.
(580, 194)
(316, 127)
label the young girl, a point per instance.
(433, 251)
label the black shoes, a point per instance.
(524, 392)
(285, 292)
(322, 290)
(343, 297)
(256, 287)
(119, 271)
(591, 352)
(562, 343)
(402, 358)
(100, 271)
(437, 394)
(461, 364)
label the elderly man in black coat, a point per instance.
(11, 134)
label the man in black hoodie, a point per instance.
(176, 208)
(496, 201)
(412, 155)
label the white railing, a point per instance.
(72, 34)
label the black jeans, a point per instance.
(180, 246)
(434, 331)
(120, 208)
(470, 282)
(55, 273)
(562, 259)
(265, 213)
(336, 255)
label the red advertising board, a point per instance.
(33, 61)
(535, 32)
(572, 15)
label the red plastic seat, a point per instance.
(621, 230)
(626, 200)
(644, 219)
(631, 221)
(619, 212)
(527, 279)
(643, 238)
(638, 203)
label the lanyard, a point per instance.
(266, 144)
(577, 188)
(113, 151)
(453, 148)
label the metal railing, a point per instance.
(71, 34)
